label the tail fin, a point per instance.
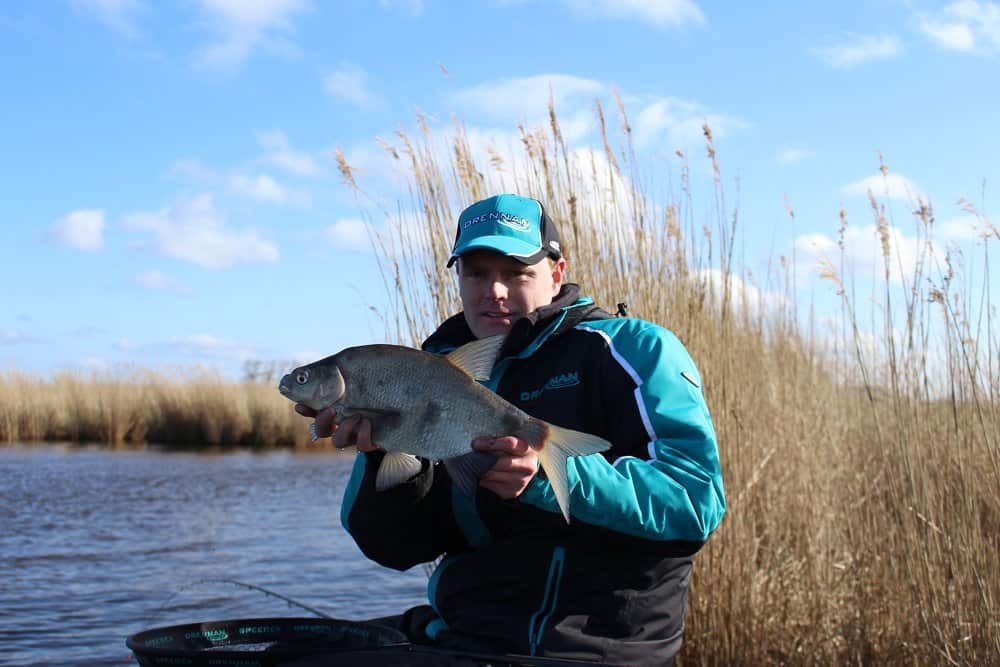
(553, 445)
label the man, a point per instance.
(516, 578)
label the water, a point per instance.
(97, 545)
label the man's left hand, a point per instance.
(516, 465)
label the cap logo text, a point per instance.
(505, 219)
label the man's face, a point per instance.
(496, 289)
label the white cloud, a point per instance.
(950, 36)
(576, 124)
(680, 123)
(195, 170)
(350, 82)
(526, 98)
(82, 229)
(349, 234)
(743, 295)
(281, 155)
(843, 345)
(858, 49)
(119, 15)
(863, 252)
(192, 230)
(158, 281)
(15, 337)
(126, 345)
(792, 155)
(816, 245)
(966, 228)
(372, 164)
(893, 186)
(205, 346)
(241, 27)
(657, 12)
(967, 26)
(260, 187)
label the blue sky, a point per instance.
(170, 197)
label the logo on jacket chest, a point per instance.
(561, 381)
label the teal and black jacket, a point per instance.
(612, 584)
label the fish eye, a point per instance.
(302, 377)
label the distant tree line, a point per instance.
(267, 372)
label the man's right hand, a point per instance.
(352, 431)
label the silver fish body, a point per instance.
(427, 405)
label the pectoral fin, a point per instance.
(467, 469)
(396, 468)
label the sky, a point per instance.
(169, 197)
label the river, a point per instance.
(96, 545)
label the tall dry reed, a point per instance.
(861, 467)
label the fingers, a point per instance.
(346, 433)
(508, 467)
(325, 423)
(507, 444)
(516, 465)
(364, 437)
(350, 432)
(354, 431)
(511, 474)
(304, 410)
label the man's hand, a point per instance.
(352, 431)
(516, 465)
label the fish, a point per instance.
(432, 406)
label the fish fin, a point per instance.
(478, 357)
(467, 469)
(396, 468)
(553, 445)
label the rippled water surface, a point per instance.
(97, 545)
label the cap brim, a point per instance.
(526, 253)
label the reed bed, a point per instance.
(133, 407)
(861, 462)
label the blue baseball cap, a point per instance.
(509, 224)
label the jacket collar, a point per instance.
(568, 305)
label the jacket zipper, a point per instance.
(541, 617)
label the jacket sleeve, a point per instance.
(400, 527)
(661, 480)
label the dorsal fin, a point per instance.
(478, 357)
